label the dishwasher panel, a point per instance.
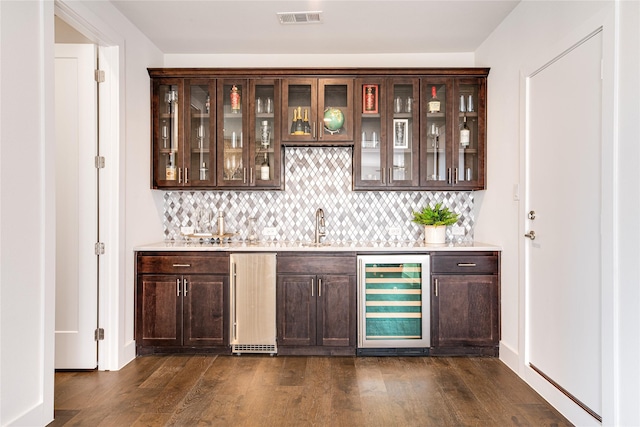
(393, 301)
(253, 303)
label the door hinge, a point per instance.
(99, 162)
(99, 334)
(99, 248)
(99, 75)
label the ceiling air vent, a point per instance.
(300, 17)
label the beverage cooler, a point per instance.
(393, 305)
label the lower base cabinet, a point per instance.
(183, 309)
(316, 311)
(183, 304)
(465, 304)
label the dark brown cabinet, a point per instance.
(248, 139)
(412, 128)
(182, 302)
(316, 304)
(386, 153)
(317, 111)
(453, 138)
(465, 303)
(183, 133)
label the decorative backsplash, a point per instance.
(316, 178)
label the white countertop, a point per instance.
(405, 246)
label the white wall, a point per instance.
(27, 224)
(462, 59)
(626, 297)
(531, 31)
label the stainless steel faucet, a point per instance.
(320, 230)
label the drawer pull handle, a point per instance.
(466, 264)
(182, 265)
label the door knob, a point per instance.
(531, 235)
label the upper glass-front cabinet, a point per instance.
(468, 160)
(167, 132)
(265, 149)
(317, 111)
(453, 129)
(183, 153)
(436, 132)
(249, 152)
(386, 154)
(200, 133)
(233, 123)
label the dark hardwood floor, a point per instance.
(257, 390)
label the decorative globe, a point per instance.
(333, 119)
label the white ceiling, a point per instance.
(349, 26)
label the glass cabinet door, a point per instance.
(335, 112)
(167, 131)
(435, 132)
(299, 106)
(231, 113)
(200, 133)
(317, 110)
(368, 148)
(265, 146)
(403, 137)
(468, 151)
(387, 121)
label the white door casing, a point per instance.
(76, 206)
(563, 188)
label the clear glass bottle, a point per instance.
(265, 134)
(252, 232)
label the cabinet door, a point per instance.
(336, 310)
(404, 134)
(232, 125)
(296, 310)
(205, 317)
(436, 133)
(335, 110)
(265, 168)
(317, 110)
(199, 169)
(159, 310)
(167, 132)
(369, 152)
(299, 101)
(468, 154)
(465, 310)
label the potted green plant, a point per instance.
(435, 221)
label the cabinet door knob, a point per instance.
(531, 235)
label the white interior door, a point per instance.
(563, 262)
(76, 207)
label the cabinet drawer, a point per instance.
(209, 263)
(465, 264)
(317, 264)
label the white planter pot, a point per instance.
(435, 235)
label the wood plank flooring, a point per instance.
(257, 390)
